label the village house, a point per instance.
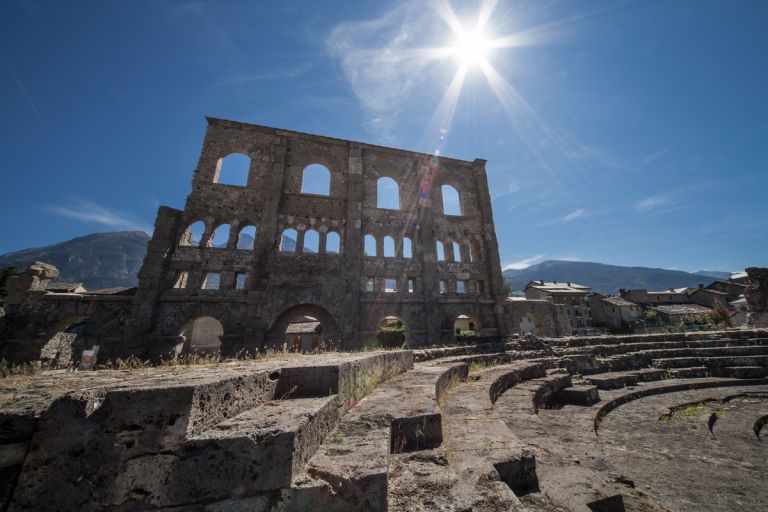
(572, 296)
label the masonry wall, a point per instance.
(347, 289)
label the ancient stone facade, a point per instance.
(259, 290)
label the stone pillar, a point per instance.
(492, 260)
(352, 249)
(264, 245)
(425, 250)
(168, 228)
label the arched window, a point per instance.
(451, 202)
(407, 253)
(219, 237)
(389, 247)
(233, 170)
(311, 241)
(193, 235)
(440, 251)
(316, 179)
(456, 252)
(288, 240)
(332, 242)
(387, 194)
(246, 238)
(369, 245)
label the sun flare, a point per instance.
(471, 48)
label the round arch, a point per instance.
(202, 336)
(465, 326)
(302, 328)
(392, 332)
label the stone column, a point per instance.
(352, 252)
(492, 260)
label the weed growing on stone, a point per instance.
(16, 370)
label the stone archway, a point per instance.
(66, 341)
(465, 327)
(303, 328)
(202, 336)
(392, 332)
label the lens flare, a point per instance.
(471, 48)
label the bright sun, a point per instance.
(471, 48)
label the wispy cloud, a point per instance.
(650, 203)
(90, 212)
(569, 217)
(524, 263)
(647, 159)
(381, 60)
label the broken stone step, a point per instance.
(348, 473)
(350, 469)
(694, 372)
(616, 380)
(650, 374)
(259, 450)
(578, 395)
(531, 395)
(624, 348)
(711, 362)
(740, 372)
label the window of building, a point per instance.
(443, 286)
(211, 281)
(288, 240)
(407, 252)
(311, 241)
(461, 287)
(233, 170)
(390, 285)
(481, 286)
(181, 280)
(193, 235)
(456, 251)
(246, 238)
(220, 237)
(411, 285)
(369, 245)
(440, 251)
(451, 201)
(389, 247)
(240, 280)
(370, 285)
(387, 194)
(316, 179)
(332, 242)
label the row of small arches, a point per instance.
(220, 237)
(310, 241)
(223, 237)
(316, 179)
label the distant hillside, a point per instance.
(603, 278)
(714, 274)
(100, 260)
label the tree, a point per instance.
(507, 289)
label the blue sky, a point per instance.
(630, 133)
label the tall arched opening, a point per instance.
(202, 336)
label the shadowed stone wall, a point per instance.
(353, 289)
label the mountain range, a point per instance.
(105, 260)
(99, 260)
(608, 279)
